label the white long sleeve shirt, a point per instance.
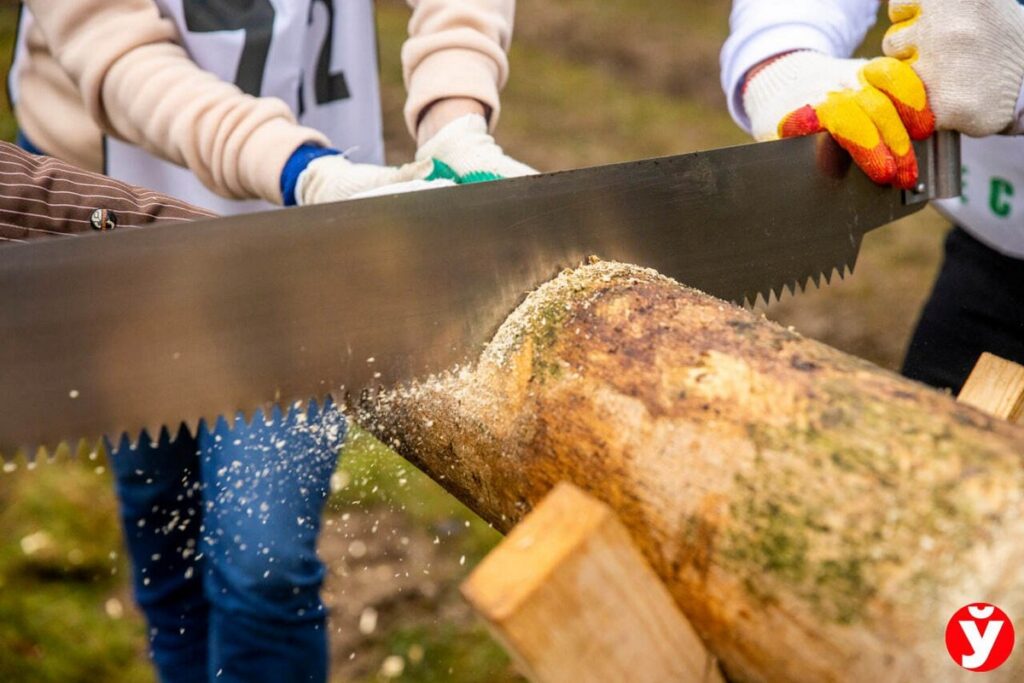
(992, 205)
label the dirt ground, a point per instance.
(593, 81)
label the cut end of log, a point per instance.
(486, 398)
(536, 322)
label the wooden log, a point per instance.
(996, 386)
(572, 599)
(815, 517)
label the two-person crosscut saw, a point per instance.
(145, 329)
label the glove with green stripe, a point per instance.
(464, 152)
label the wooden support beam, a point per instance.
(572, 599)
(996, 386)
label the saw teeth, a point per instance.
(164, 440)
(143, 439)
(247, 417)
(807, 284)
(185, 431)
(223, 423)
(19, 461)
(125, 443)
(851, 263)
(191, 426)
(28, 457)
(258, 415)
(276, 414)
(226, 420)
(164, 437)
(62, 453)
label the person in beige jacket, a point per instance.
(233, 106)
(230, 90)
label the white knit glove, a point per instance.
(403, 188)
(464, 152)
(334, 178)
(970, 55)
(873, 108)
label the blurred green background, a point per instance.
(593, 81)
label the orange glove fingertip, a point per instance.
(920, 123)
(906, 171)
(879, 164)
(803, 121)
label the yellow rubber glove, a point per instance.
(873, 108)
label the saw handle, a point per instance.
(947, 178)
(938, 158)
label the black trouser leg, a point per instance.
(977, 305)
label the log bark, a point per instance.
(815, 517)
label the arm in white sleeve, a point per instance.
(760, 29)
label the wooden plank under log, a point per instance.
(996, 386)
(815, 517)
(572, 599)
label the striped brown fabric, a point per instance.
(42, 197)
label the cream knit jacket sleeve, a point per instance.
(138, 84)
(456, 48)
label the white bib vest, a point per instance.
(992, 205)
(319, 56)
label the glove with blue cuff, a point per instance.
(316, 175)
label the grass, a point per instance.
(593, 81)
(65, 607)
(375, 481)
(65, 614)
(377, 477)
(446, 654)
(8, 27)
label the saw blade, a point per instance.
(129, 330)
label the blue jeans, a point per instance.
(222, 530)
(26, 144)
